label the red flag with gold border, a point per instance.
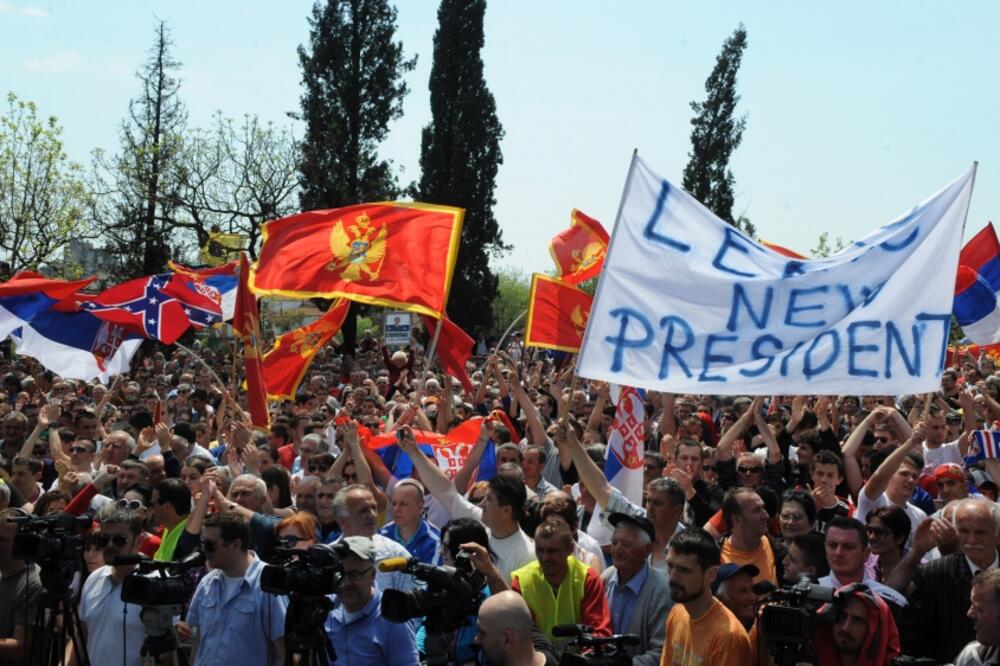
(454, 348)
(579, 251)
(397, 255)
(557, 314)
(292, 354)
(246, 323)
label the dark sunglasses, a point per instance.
(102, 540)
(882, 440)
(209, 546)
(749, 470)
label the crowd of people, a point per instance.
(870, 496)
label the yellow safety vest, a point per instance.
(551, 609)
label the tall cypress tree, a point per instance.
(352, 71)
(460, 155)
(716, 133)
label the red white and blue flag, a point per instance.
(977, 283)
(625, 443)
(984, 444)
(224, 278)
(450, 451)
(160, 307)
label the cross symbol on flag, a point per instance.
(153, 306)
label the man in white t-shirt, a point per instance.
(935, 450)
(499, 511)
(113, 628)
(894, 481)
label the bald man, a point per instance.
(505, 631)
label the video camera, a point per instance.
(48, 539)
(315, 572)
(789, 618)
(602, 650)
(173, 587)
(452, 594)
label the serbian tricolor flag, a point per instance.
(579, 251)
(453, 349)
(783, 251)
(976, 285)
(557, 314)
(222, 278)
(27, 295)
(397, 255)
(246, 323)
(289, 360)
(449, 450)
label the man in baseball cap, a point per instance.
(733, 586)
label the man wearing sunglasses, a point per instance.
(113, 628)
(231, 619)
(359, 633)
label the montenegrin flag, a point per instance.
(287, 362)
(246, 323)
(398, 255)
(579, 251)
(557, 314)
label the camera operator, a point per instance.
(229, 603)
(19, 588)
(359, 633)
(863, 633)
(112, 627)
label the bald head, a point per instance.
(506, 611)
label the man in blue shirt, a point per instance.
(232, 620)
(359, 633)
(408, 528)
(638, 595)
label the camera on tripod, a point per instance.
(601, 650)
(49, 539)
(452, 593)
(315, 572)
(173, 587)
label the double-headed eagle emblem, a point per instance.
(358, 250)
(587, 257)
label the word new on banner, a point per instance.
(689, 304)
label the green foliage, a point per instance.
(825, 248)
(716, 133)
(140, 188)
(352, 72)
(44, 201)
(513, 290)
(234, 177)
(460, 156)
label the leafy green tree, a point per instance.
(717, 133)
(352, 72)
(513, 290)
(138, 183)
(235, 176)
(44, 200)
(460, 156)
(825, 247)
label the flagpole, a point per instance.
(429, 357)
(209, 368)
(499, 344)
(611, 242)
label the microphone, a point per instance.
(125, 560)
(394, 564)
(195, 559)
(570, 630)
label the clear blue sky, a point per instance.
(856, 110)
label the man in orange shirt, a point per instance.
(747, 543)
(701, 631)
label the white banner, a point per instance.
(688, 304)
(397, 329)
